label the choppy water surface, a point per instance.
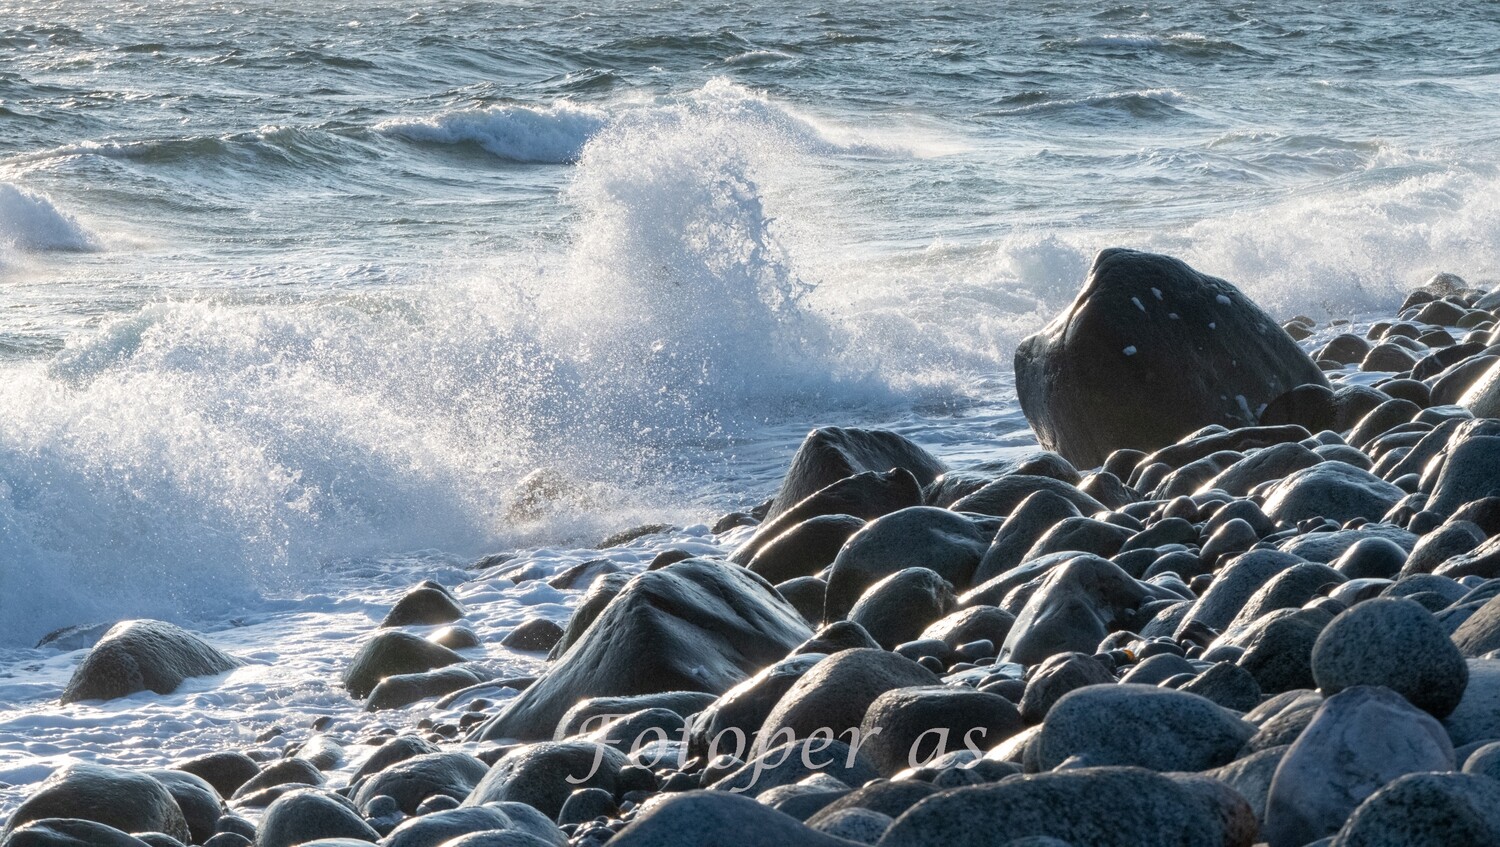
(284, 285)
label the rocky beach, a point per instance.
(1242, 589)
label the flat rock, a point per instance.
(696, 625)
(143, 655)
(1123, 367)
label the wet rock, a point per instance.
(697, 625)
(533, 635)
(1250, 776)
(444, 827)
(69, 832)
(412, 780)
(897, 608)
(544, 775)
(941, 541)
(1005, 494)
(1101, 807)
(1074, 607)
(425, 605)
(1480, 634)
(730, 724)
(717, 819)
(990, 623)
(127, 801)
(1278, 648)
(916, 725)
(838, 691)
(309, 814)
(1395, 643)
(860, 826)
(1235, 584)
(401, 690)
(1359, 740)
(392, 653)
(603, 589)
(1331, 490)
(1426, 810)
(1477, 716)
(225, 771)
(832, 453)
(1109, 373)
(775, 764)
(1030, 520)
(1056, 676)
(199, 801)
(806, 548)
(1328, 546)
(1289, 589)
(1374, 557)
(143, 656)
(589, 714)
(1228, 685)
(583, 574)
(398, 749)
(279, 773)
(807, 594)
(866, 496)
(1141, 726)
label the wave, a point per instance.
(1143, 103)
(559, 132)
(31, 223)
(1185, 43)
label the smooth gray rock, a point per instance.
(944, 542)
(806, 548)
(862, 826)
(1234, 585)
(1371, 558)
(897, 608)
(1141, 726)
(543, 775)
(1328, 546)
(1477, 716)
(1122, 367)
(909, 727)
(293, 771)
(1006, 494)
(867, 496)
(1278, 648)
(439, 828)
(143, 655)
(398, 749)
(402, 690)
(1468, 466)
(69, 832)
(535, 635)
(391, 653)
(1098, 807)
(308, 814)
(199, 801)
(1056, 676)
(1426, 810)
(413, 780)
(1331, 490)
(425, 605)
(1288, 589)
(1075, 605)
(972, 624)
(604, 588)
(1228, 685)
(1359, 740)
(837, 692)
(1251, 776)
(832, 453)
(1030, 520)
(1395, 643)
(778, 764)
(697, 625)
(226, 771)
(127, 801)
(1480, 634)
(717, 819)
(588, 715)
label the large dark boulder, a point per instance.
(69, 832)
(696, 625)
(838, 691)
(865, 496)
(127, 801)
(413, 780)
(832, 453)
(543, 775)
(806, 548)
(730, 724)
(1150, 351)
(143, 656)
(1141, 726)
(718, 819)
(308, 814)
(941, 541)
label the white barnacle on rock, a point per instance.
(1130, 351)
(1156, 292)
(1174, 316)
(1137, 302)
(1223, 299)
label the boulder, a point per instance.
(1073, 607)
(1006, 494)
(778, 765)
(1098, 807)
(1055, 676)
(589, 714)
(1150, 351)
(534, 635)
(832, 453)
(226, 771)
(143, 655)
(1278, 648)
(696, 625)
(308, 814)
(1359, 740)
(1030, 520)
(729, 725)
(200, 802)
(1331, 490)
(543, 775)
(282, 772)
(837, 692)
(1480, 634)
(1396, 643)
(1250, 776)
(439, 828)
(990, 623)
(412, 780)
(944, 542)
(392, 653)
(127, 801)
(398, 749)
(1477, 716)
(804, 549)
(69, 832)
(1141, 726)
(601, 591)
(402, 690)
(1426, 810)
(865, 496)
(1483, 394)
(909, 727)
(717, 819)
(897, 608)
(425, 605)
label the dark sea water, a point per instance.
(284, 286)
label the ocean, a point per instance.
(300, 298)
